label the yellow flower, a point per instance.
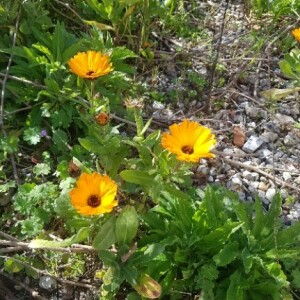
(90, 64)
(94, 194)
(189, 140)
(296, 34)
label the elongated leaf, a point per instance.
(259, 218)
(100, 26)
(280, 254)
(106, 237)
(127, 225)
(137, 177)
(272, 216)
(235, 289)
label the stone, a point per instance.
(284, 119)
(297, 180)
(270, 193)
(289, 140)
(269, 136)
(252, 144)
(262, 186)
(264, 153)
(47, 282)
(247, 175)
(286, 176)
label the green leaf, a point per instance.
(108, 258)
(286, 69)
(259, 218)
(41, 169)
(247, 258)
(272, 216)
(90, 144)
(217, 237)
(127, 225)
(12, 266)
(32, 135)
(227, 254)
(82, 235)
(9, 144)
(289, 235)
(235, 289)
(60, 140)
(106, 237)
(137, 177)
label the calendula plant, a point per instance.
(290, 65)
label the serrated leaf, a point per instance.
(127, 225)
(106, 236)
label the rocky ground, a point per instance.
(258, 151)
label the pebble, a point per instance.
(286, 176)
(284, 119)
(252, 144)
(47, 282)
(270, 193)
(262, 186)
(289, 140)
(269, 136)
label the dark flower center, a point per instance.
(94, 201)
(187, 149)
(89, 73)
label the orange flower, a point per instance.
(90, 64)
(189, 140)
(94, 195)
(296, 34)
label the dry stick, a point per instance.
(42, 272)
(214, 65)
(12, 159)
(32, 292)
(255, 169)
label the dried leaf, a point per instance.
(239, 136)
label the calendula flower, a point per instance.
(90, 64)
(189, 140)
(296, 34)
(94, 195)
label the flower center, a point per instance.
(187, 149)
(89, 73)
(94, 201)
